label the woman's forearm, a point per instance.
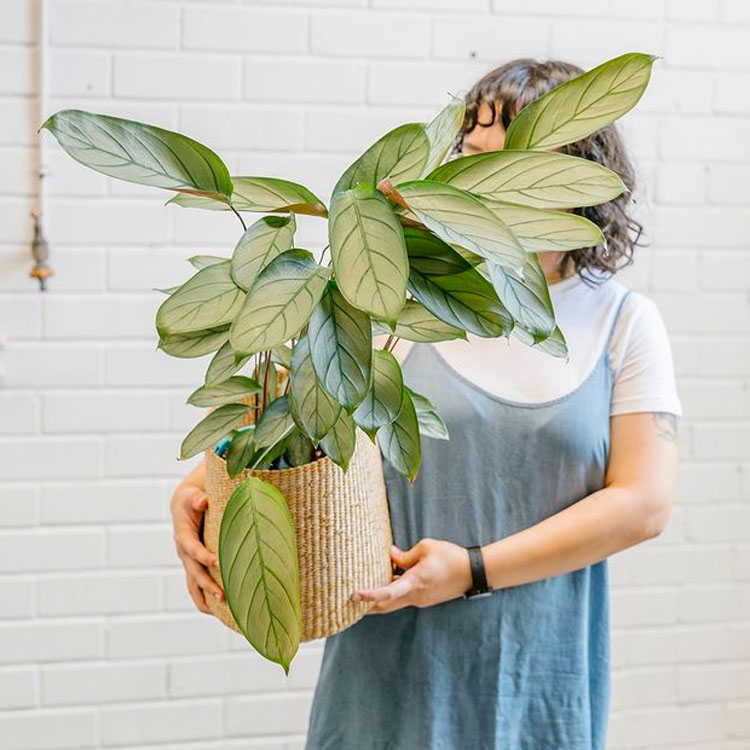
(605, 522)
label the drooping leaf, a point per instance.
(340, 441)
(201, 261)
(527, 298)
(209, 299)
(368, 252)
(229, 390)
(259, 245)
(430, 422)
(400, 155)
(274, 424)
(268, 195)
(457, 216)
(539, 179)
(282, 355)
(223, 365)
(212, 428)
(579, 107)
(441, 132)
(197, 344)
(416, 323)
(340, 344)
(399, 441)
(430, 255)
(240, 451)
(260, 569)
(279, 303)
(554, 345)
(384, 398)
(314, 410)
(140, 153)
(465, 300)
(539, 231)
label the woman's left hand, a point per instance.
(435, 572)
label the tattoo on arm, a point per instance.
(666, 425)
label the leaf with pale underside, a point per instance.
(441, 132)
(539, 179)
(416, 323)
(260, 570)
(259, 245)
(458, 217)
(554, 345)
(399, 155)
(340, 343)
(579, 107)
(539, 230)
(209, 299)
(384, 397)
(340, 441)
(196, 344)
(368, 252)
(314, 410)
(229, 390)
(274, 424)
(212, 428)
(260, 195)
(430, 422)
(223, 365)
(279, 304)
(140, 153)
(399, 440)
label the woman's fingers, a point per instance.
(198, 573)
(399, 587)
(196, 594)
(189, 542)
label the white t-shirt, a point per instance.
(640, 353)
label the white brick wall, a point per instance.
(99, 645)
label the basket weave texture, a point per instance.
(342, 527)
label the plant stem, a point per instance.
(323, 254)
(388, 342)
(396, 339)
(236, 213)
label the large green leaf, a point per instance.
(457, 216)
(430, 422)
(341, 343)
(526, 298)
(416, 323)
(399, 155)
(260, 569)
(279, 303)
(583, 105)
(136, 152)
(209, 299)
(212, 428)
(261, 195)
(196, 344)
(340, 441)
(368, 251)
(441, 132)
(274, 424)
(223, 365)
(539, 231)
(429, 255)
(259, 245)
(314, 410)
(384, 398)
(229, 390)
(539, 179)
(399, 441)
(465, 300)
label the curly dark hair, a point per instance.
(509, 88)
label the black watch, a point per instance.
(479, 585)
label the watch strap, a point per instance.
(479, 585)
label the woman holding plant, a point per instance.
(562, 445)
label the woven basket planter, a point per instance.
(342, 526)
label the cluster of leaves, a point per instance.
(420, 250)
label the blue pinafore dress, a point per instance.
(527, 668)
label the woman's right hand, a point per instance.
(188, 506)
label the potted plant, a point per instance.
(302, 402)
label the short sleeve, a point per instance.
(641, 356)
